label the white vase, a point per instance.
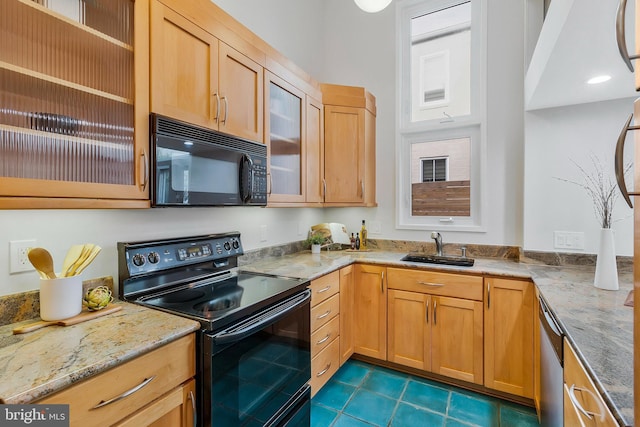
(606, 268)
(315, 249)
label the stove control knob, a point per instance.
(138, 260)
(236, 245)
(227, 246)
(153, 257)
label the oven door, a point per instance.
(256, 371)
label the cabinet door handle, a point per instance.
(217, 116)
(323, 339)
(619, 161)
(588, 414)
(324, 188)
(488, 295)
(192, 398)
(435, 307)
(226, 109)
(430, 284)
(620, 36)
(322, 316)
(145, 178)
(125, 394)
(323, 290)
(427, 311)
(321, 373)
(362, 188)
(382, 282)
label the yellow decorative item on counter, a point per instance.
(97, 298)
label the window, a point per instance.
(441, 105)
(434, 170)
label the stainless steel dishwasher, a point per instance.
(551, 375)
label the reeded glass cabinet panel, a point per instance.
(67, 91)
(286, 110)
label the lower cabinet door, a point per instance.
(175, 409)
(409, 345)
(456, 340)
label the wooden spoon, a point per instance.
(41, 259)
(72, 256)
(87, 260)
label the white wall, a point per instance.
(554, 138)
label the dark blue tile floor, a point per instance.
(360, 394)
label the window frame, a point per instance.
(434, 160)
(471, 126)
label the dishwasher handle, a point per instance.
(550, 327)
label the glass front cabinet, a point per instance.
(284, 131)
(73, 122)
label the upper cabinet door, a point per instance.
(184, 69)
(344, 154)
(241, 94)
(285, 138)
(314, 147)
(74, 116)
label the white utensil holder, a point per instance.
(60, 298)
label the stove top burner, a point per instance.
(216, 303)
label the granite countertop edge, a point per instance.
(31, 368)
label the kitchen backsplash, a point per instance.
(25, 306)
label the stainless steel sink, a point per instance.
(437, 259)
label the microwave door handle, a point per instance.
(246, 171)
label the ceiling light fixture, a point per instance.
(372, 6)
(598, 79)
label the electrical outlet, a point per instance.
(568, 240)
(18, 259)
(375, 227)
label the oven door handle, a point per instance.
(261, 320)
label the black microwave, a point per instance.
(195, 166)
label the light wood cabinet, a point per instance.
(162, 384)
(314, 147)
(286, 140)
(582, 400)
(347, 283)
(370, 311)
(432, 326)
(325, 329)
(508, 336)
(349, 147)
(200, 79)
(74, 118)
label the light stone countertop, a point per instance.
(44, 361)
(595, 321)
(35, 364)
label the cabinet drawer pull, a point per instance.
(192, 398)
(620, 169)
(322, 316)
(125, 394)
(323, 290)
(430, 284)
(588, 414)
(323, 339)
(321, 373)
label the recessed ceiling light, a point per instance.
(598, 79)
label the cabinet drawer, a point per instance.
(169, 366)
(324, 365)
(325, 311)
(581, 391)
(324, 335)
(434, 283)
(324, 287)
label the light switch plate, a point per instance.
(568, 240)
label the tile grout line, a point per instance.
(398, 400)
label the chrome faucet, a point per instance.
(438, 238)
